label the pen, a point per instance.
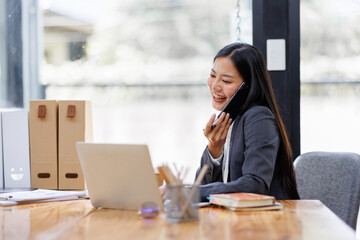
(212, 127)
(5, 198)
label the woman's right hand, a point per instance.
(217, 135)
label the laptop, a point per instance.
(119, 176)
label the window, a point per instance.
(3, 60)
(143, 64)
(330, 76)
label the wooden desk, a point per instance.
(303, 219)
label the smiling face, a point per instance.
(223, 82)
(16, 175)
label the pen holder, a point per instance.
(181, 203)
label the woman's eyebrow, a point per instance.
(224, 75)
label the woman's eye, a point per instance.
(225, 81)
(212, 75)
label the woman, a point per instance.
(250, 153)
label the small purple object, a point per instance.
(149, 210)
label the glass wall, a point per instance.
(144, 65)
(3, 54)
(330, 75)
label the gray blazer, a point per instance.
(254, 146)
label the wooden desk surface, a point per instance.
(305, 219)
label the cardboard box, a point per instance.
(75, 124)
(15, 132)
(43, 143)
(1, 158)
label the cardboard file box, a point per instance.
(43, 144)
(15, 132)
(75, 124)
(1, 157)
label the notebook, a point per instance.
(241, 200)
(119, 176)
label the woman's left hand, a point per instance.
(216, 134)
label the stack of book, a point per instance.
(245, 201)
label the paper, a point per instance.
(38, 195)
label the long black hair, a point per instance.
(250, 64)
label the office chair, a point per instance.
(334, 179)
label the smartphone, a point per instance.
(233, 107)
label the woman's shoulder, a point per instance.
(255, 114)
(257, 110)
(259, 119)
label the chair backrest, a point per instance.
(334, 179)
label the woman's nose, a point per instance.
(216, 85)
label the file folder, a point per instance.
(43, 143)
(75, 124)
(15, 132)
